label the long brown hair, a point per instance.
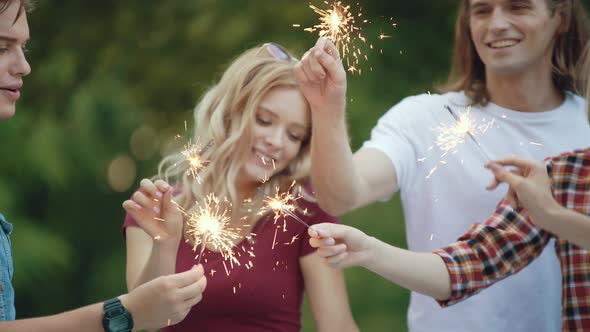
(468, 71)
(25, 6)
(584, 69)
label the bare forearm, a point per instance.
(88, 318)
(425, 273)
(162, 261)
(333, 172)
(569, 225)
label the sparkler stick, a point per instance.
(203, 244)
(468, 132)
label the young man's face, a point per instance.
(13, 64)
(513, 36)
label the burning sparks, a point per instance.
(343, 26)
(209, 223)
(450, 137)
(193, 154)
(283, 205)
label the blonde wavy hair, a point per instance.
(225, 117)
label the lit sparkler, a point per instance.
(209, 223)
(193, 154)
(283, 205)
(451, 137)
(339, 24)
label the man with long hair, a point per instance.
(160, 302)
(514, 67)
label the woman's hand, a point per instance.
(342, 246)
(155, 212)
(530, 187)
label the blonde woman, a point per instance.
(259, 126)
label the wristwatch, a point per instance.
(116, 317)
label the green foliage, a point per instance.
(102, 69)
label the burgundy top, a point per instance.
(263, 293)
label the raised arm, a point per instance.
(342, 181)
(326, 291)
(152, 247)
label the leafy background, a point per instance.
(114, 81)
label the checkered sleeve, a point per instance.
(489, 252)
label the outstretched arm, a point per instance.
(342, 181)
(156, 304)
(344, 246)
(489, 252)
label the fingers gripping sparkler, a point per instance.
(343, 25)
(339, 25)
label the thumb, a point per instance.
(330, 230)
(504, 175)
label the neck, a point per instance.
(245, 190)
(529, 92)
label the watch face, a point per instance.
(119, 323)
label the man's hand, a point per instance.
(322, 78)
(165, 300)
(342, 246)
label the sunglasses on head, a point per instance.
(277, 51)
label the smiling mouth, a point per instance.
(502, 44)
(265, 160)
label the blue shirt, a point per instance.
(7, 311)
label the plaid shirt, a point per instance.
(508, 241)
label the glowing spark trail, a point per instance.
(209, 223)
(451, 137)
(339, 25)
(283, 204)
(193, 155)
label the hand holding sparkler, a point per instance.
(342, 246)
(530, 187)
(155, 212)
(322, 78)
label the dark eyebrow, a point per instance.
(477, 5)
(11, 39)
